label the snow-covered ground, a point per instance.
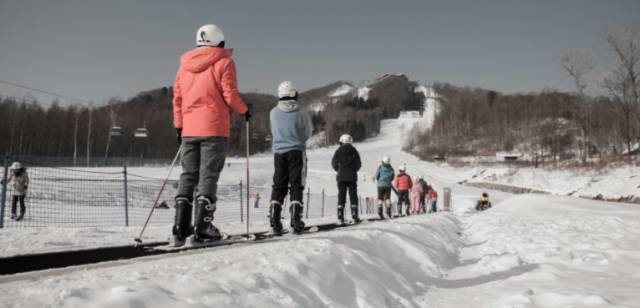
(527, 251)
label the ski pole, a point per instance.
(164, 183)
(248, 207)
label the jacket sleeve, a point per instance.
(358, 161)
(334, 160)
(26, 177)
(410, 181)
(177, 102)
(230, 89)
(377, 177)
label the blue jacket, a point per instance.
(385, 175)
(290, 127)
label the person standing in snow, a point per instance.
(384, 176)
(433, 200)
(18, 174)
(205, 95)
(423, 195)
(346, 161)
(403, 184)
(290, 129)
(416, 193)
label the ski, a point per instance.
(227, 239)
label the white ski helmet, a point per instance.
(16, 165)
(209, 35)
(419, 178)
(386, 160)
(346, 138)
(286, 89)
(402, 169)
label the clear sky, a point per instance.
(98, 49)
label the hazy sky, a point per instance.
(99, 49)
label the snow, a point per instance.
(341, 90)
(527, 251)
(363, 93)
(430, 107)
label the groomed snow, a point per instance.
(527, 251)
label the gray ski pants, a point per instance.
(202, 161)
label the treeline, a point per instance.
(472, 120)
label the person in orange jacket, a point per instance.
(403, 184)
(205, 95)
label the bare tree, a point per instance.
(623, 82)
(578, 64)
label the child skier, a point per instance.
(416, 192)
(433, 200)
(384, 176)
(290, 128)
(205, 94)
(483, 203)
(346, 161)
(18, 174)
(403, 184)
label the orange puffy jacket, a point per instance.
(206, 92)
(403, 182)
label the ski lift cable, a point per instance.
(44, 91)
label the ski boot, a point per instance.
(275, 210)
(296, 217)
(13, 216)
(381, 212)
(408, 211)
(182, 223)
(354, 214)
(205, 231)
(389, 211)
(341, 214)
(19, 218)
(399, 209)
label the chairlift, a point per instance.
(115, 131)
(141, 133)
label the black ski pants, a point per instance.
(14, 204)
(288, 173)
(352, 187)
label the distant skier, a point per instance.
(346, 161)
(425, 189)
(290, 129)
(403, 184)
(18, 174)
(433, 200)
(384, 176)
(483, 203)
(416, 195)
(205, 94)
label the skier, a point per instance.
(18, 174)
(425, 189)
(346, 161)
(403, 184)
(433, 200)
(384, 176)
(205, 94)
(483, 203)
(416, 194)
(290, 129)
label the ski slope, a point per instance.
(527, 251)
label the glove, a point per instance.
(2, 182)
(179, 135)
(249, 113)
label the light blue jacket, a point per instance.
(290, 127)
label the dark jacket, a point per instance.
(347, 162)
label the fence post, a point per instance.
(360, 204)
(126, 197)
(241, 210)
(5, 173)
(308, 199)
(322, 212)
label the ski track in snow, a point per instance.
(527, 251)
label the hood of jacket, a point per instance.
(288, 105)
(201, 58)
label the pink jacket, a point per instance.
(206, 92)
(417, 187)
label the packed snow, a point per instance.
(341, 90)
(527, 251)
